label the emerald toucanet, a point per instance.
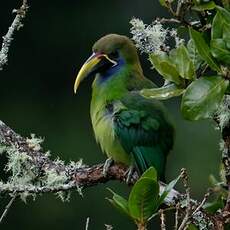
(130, 128)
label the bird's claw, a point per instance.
(129, 174)
(106, 166)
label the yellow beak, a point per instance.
(88, 67)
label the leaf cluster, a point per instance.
(198, 69)
(144, 199)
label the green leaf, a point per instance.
(119, 202)
(212, 180)
(224, 13)
(167, 190)
(226, 34)
(203, 49)
(202, 97)
(143, 199)
(205, 6)
(163, 3)
(194, 55)
(162, 93)
(226, 31)
(180, 57)
(165, 67)
(228, 90)
(192, 227)
(217, 26)
(150, 173)
(215, 205)
(219, 50)
(197, 2)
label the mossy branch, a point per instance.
(38, 164)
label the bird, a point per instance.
(130, 128)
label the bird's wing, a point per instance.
(144, 131)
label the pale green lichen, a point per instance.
(203, 222)
(55, 179)
(47, 154)
(222, 145)
(223, 112)
(153, 38)
(148, 38)
(59, 162)
(34, 142)
(79, 190)
(76, 165)
(22, 171)
(9, 186)
(108, 227)
(19, 164)
(178, 41)
(3, 149)
(64, 196)
(26, 177)
(223, 117)
(24, 196)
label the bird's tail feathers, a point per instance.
(145, 157)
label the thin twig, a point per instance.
(168, 20)
(186, 220)
(177, 216)
(202, 203)
(7, 39)
(180, 12)
(87, 224)
(179, 8)
(108, 227)
(159, 212)
(162, 217)
(7, 207)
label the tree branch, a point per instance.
(77, 176)
(7, 39)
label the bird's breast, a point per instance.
(102, 122)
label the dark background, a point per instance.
(36, 96)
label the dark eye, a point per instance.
(114, 55)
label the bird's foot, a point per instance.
(106, 166)
(129, 173)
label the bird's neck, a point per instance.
(114, 83)
(106, 89)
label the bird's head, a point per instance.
(110, 53)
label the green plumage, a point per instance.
(129, 128)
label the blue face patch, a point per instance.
(112, 70)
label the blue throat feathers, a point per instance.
(112, 71)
